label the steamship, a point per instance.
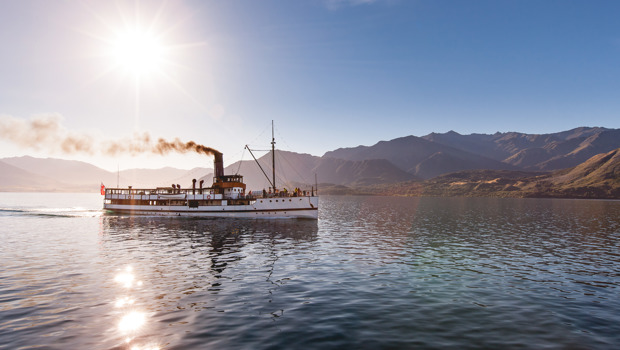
(226, 197)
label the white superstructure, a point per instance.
(208, 203)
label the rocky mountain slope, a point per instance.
(436, 154)
(535, 152)
(419, 157)
(597, 177)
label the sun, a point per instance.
(138, 52)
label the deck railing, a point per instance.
(206, 191)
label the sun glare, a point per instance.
(138, 52)
(132, 322)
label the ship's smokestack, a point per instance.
(218, 164)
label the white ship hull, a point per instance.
(305, 207)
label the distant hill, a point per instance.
(533, 151)
(160, 177)
(359, 173)
(19, 180)
(290, 168)
(295, 169)
(63, 171)
(597, 177)
(49, 174)
(419, 157)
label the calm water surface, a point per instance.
(372, 273)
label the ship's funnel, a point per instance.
(218, 164)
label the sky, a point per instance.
(329, 73)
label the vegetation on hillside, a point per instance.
(598, 177)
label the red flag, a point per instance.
(102, 189)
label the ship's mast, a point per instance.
(273, 157)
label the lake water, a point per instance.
(372, 273)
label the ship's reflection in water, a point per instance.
(165, 268)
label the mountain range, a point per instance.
(403, 160)
(435, 154)
(58, 175)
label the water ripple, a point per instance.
(373, 272)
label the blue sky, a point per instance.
(330, 73)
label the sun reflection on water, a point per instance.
(121, 302)
(126, 278)
(133, 321)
